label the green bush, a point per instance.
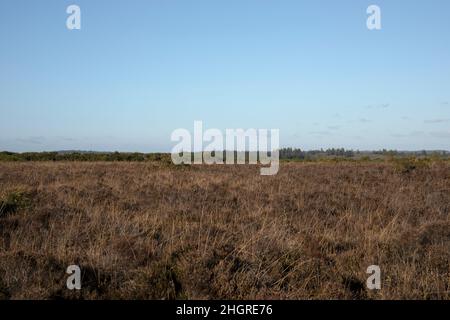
(409, 164)
(14, 201)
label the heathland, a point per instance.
(152, 230)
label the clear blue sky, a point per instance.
(137, 70)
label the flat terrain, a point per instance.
(154, 231)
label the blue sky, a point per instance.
(137, 70)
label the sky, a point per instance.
(138, 70)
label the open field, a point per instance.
(148, 230)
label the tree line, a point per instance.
(284, 154)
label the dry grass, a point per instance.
(151, 231)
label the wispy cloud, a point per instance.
(66, 139)
(364, 120)
(334, 127)
(422, 134)
(398, 135)
(32, 140)
(378, 106)
(440, 120)
(321, 133)
(441, 134)
(415, 134)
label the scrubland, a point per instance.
(149, 230)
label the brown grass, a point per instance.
(152, 231)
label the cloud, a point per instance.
(66, 139)
(32, 140)
(441, 120)
(421, 134)
(364, 120)
(441, 134)
(333, 127)
(415, 134)
(321, 133)
(398, 135)
(378, 106)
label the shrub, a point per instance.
(407, 165)
(13, 201)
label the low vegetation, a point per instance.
(146, 230)
(10, 202)
(287, 154)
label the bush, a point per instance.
(13, 201)
(407, 165)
